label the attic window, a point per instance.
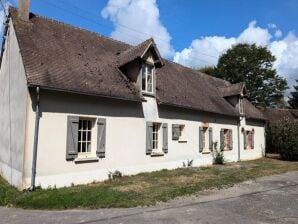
(241, 107)
(147, 78)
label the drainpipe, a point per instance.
(238, 132)
(34, 158)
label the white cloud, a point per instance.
(285, 50)
(278, 34)
(136, 21)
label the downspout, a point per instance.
(238, 132)
(36, 131)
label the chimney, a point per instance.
(23, 12)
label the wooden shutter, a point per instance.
(222, 139)
(210, 139)
(175, 131)
(101, 137)
(165, 138)
(201, 139)
(231, 139)
(149, 130)
(253, 139)
(244, 140)
(72, 137)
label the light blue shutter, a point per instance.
(175, 132)
(253, 139)
(222, 139)
(165, 138)
(72, 137)
(244, 139)
(149, 130)
(201, 139)
(231, 139)
(210, 139)
(101, 137)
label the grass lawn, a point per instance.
(143, 189)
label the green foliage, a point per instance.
(253, 65)
(210, 70)
(293, 99)
(143, 189)
(218, 157)
(281, 136)
(188, 163)
(115, 175)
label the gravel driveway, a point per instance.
(272, 199)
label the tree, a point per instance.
(253, 65)
(210, 70)
(293, 99)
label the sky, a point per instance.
(190, 32)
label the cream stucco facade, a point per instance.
(125, 145)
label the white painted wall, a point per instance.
(13, 105)
(125, 142)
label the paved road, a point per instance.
(271, 199)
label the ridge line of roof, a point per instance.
(73, 26)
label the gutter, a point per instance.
(36, 131)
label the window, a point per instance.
(226, 139)
(182, 137)
(178, 132)
(205, 139)
(241, 107)
(227, 134)
(155, 136)
(147, 78)
(249, 139)
(84, 135)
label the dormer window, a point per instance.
(241, 107)
(147, 78)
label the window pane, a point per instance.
(149, 69)
(89, 147)
(83, 147)
(89, 136)
(84, 124)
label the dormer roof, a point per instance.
(139, 52)
(237, 89)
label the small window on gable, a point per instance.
(241, 107)
(147, 78)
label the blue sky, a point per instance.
(193, 33)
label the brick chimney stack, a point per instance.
(23, 12)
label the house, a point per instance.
(277, 114)
(76, 105)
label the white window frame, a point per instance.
(227, 139)
(92, 140)
(157, 138)
(182, 135)
(145, 70)
(206, 139)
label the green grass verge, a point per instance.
(145, 188)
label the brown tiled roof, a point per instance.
(63, 57)
(232, 90)
(275, 114)
(251, 111)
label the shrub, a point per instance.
(281, 137)
(115, 175)
(218, 157)
(188, 163)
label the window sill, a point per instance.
(153, 154)
(206, 152)
(86, 160)
(148, 94)
(182, 141)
